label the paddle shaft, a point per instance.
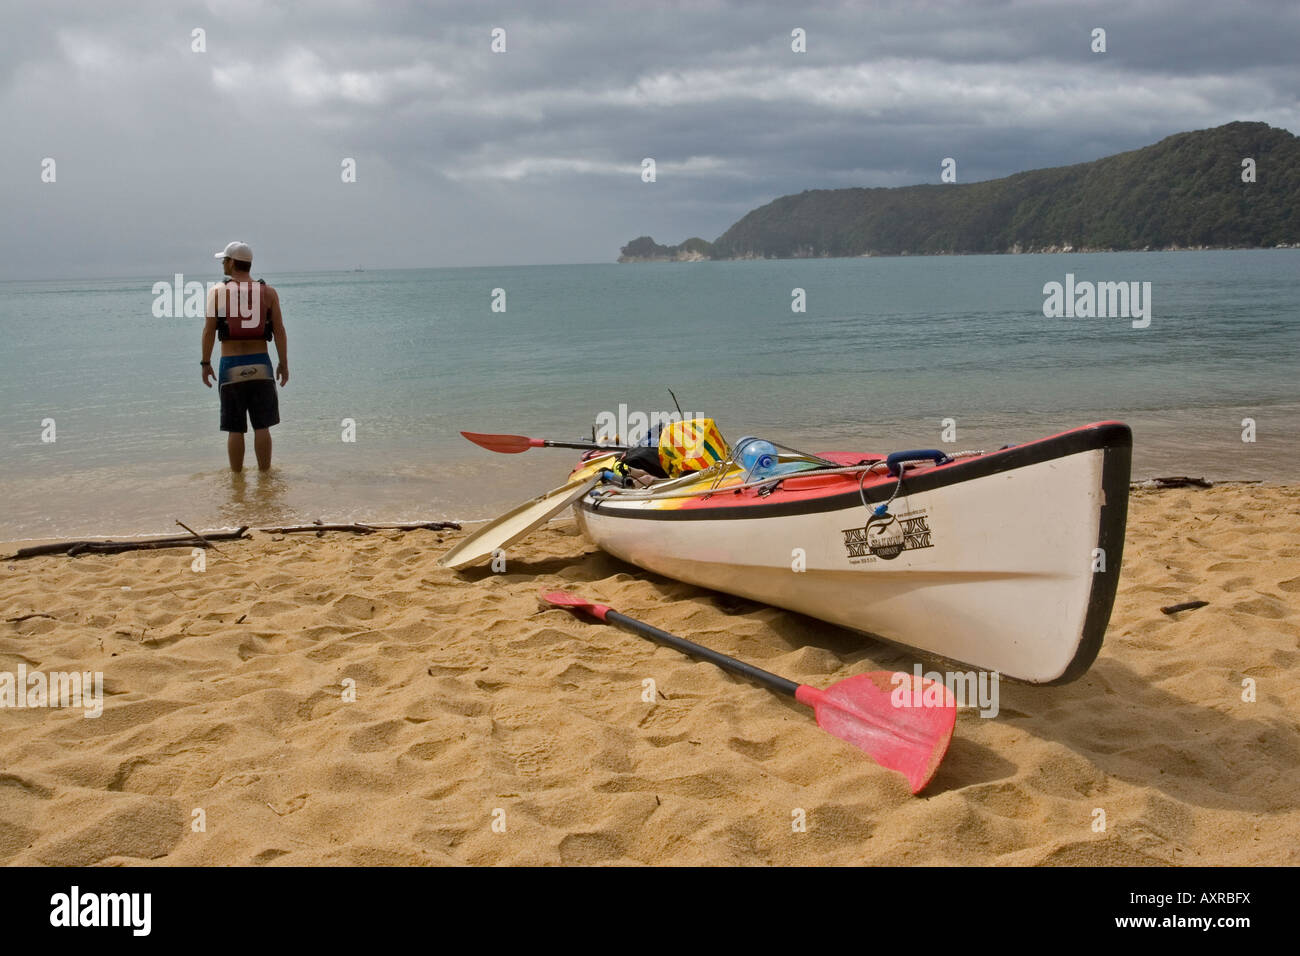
(548, 443)
(514, 444)
(756, 674)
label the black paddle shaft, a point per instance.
(591, 445)
(756, 674)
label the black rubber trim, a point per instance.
(1107, 436)
(1115, 474)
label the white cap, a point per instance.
(236, 250)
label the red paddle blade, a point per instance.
(574, 603)
(506, 444)
(903, 723)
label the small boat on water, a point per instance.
(1005, 561)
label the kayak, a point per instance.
(1005, 561)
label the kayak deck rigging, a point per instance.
(730, 477)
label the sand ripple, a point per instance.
(227, 737)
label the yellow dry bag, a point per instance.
(692, 445)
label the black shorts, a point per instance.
(245, 401)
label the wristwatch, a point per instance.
(205, 363)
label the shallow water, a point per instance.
(886, 351)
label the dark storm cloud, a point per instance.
(465, 156)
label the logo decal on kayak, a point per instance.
(888, 536)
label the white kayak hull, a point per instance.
(1007, 562)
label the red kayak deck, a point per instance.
(796, 493)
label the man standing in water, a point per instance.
(245, 315)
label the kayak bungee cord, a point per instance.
(650, 494)
(735, 456)
(731, 461)
(801, 454)
(891, 462)
(883, 508)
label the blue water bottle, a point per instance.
(757, 457)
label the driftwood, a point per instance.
(417, 526)
(197, 535)
(74, 548)
(320, 528)
(1188, 606)
(118, 547)
(1176, 481)
(204, 540)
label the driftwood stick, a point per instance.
(205, 538)
(364, 528)
(1187, 606)
(199, 536)
(1174, 481)
(109, 546)
(293, 529)
(417, 526)
(119, 547)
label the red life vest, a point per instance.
(243, 311)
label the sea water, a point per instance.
(870, 354)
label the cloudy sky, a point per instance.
(469, 157)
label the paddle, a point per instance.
(910, 739)
(516, 523)
(514, 444)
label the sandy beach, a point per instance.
(226, 737)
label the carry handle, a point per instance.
(895, 461)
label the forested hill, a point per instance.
(1185, 191)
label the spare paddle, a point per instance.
(514, 524)
(514, 444)
(910, 737)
